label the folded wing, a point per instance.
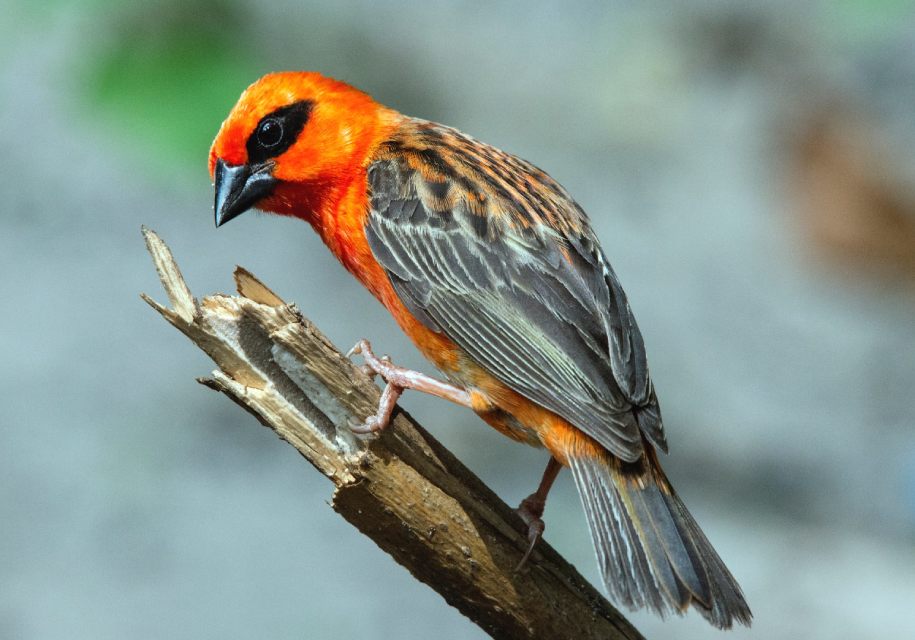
(535, 304)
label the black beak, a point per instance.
(240, 187)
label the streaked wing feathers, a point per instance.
(521, 287)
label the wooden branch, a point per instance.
(403, 490)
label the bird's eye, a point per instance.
(270, 133)
(277, 131)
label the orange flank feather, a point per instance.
(493, 270)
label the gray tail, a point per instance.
(650, 550)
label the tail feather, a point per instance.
(663, 542)
(650, 550)
(617, 557)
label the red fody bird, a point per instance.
(494, 272)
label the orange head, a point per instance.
(291, 142)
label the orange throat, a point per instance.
(337, 211)
(304, 200)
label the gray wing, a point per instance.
(540, 311)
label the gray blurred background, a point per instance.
(749, 167)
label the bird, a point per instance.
(494, 272)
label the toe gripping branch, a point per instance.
(397, 380)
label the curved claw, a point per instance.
(531, 512)
(534, 533)
(364, 429)
(357, 348)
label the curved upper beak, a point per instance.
(239, 188)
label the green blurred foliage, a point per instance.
(170, 74)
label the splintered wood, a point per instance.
(403, 490)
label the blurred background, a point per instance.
(749, 167)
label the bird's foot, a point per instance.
(531, 512)
(375, 366)
(381, 419)
(397, 379)
(531, 508)
(390, 373)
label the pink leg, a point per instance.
(398, 379)
(531, 508)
